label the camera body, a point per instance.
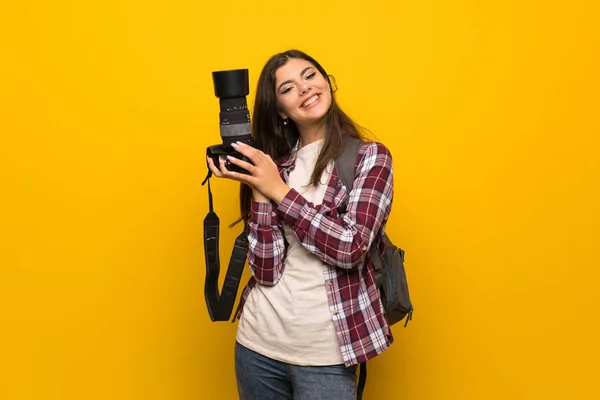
(219, 151)
(231, 88)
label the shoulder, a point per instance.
(372, 151)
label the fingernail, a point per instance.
(234, 145)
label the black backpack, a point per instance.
(389, 270)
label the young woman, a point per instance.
(311, 311)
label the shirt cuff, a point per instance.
(263, 213)
(290, 207)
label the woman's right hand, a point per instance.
(222, 171)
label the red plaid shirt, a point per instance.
(341, 241)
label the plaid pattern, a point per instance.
(342, 242)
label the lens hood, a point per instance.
(231, 83)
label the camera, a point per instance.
(231, 88)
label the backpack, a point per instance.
(389, 270)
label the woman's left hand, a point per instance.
(263, 173)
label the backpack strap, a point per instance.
(344, 166)
(346, 161)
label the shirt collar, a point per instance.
(289, 159)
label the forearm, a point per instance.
(259, 197)
(344, 240)
(266, 245)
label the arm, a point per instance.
(345, 242)
(341, 242)
(266, 245)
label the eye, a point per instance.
(286, 90)
(311, 75)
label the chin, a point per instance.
(322, 114)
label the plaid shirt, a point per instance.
(341, 241)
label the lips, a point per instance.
(311, 101)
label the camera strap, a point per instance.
(220, 306)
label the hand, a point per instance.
(263, 173)
(223, 172)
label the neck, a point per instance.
(311, 133)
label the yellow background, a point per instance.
(491, 112)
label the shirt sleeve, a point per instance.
(345, 241)
(266, 246)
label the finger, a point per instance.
(213, 168)
(232, 174)
(244, 178)
(242, 164)
(223, 168)
(247, 151)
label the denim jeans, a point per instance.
(262, 378)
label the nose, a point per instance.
(305, 89)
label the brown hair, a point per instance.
(276, 139)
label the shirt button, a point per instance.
(330, 283)
(364, 248)
(273, 214)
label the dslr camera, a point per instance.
(231, 88)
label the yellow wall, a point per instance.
(490, 110)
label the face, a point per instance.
(302, 92)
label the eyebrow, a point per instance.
(290, 81)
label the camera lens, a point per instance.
(232, 87)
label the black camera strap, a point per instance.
(221, 306)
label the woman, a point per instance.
(311, 311)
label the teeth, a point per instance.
(310, 101)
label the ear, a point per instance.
(332, 84)
(280, 111)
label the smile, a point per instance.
(311, 102)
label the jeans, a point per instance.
(262, 378)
